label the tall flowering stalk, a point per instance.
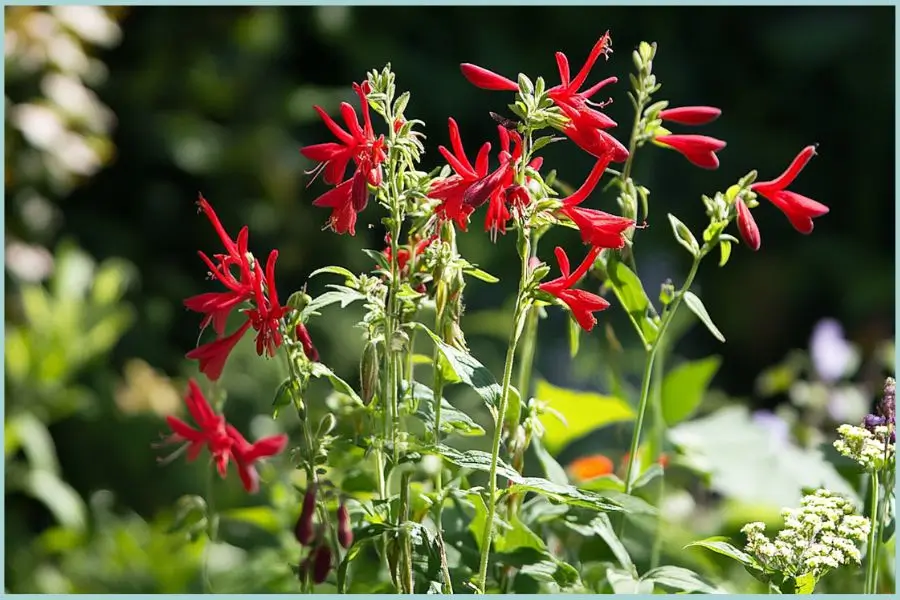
(399, 422)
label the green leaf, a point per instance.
(696, 306)
(682, 579)
(626, 582)
(583, 412)
(477, 273)
(263, 517)
(344, 295)
(602, 526)
(568, 494)
(631, 294)
(805, 584)
(719, 546)
(468, 370)
(452, 420)
(320, 370)
(684, 386)
(476, 460)
(684, 236)
(336, 271)
(379, 258)
(552, 468)
(725, 249)
(544, 141)
(649, 474)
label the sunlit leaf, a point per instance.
(684, 386)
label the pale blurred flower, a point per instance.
(831, 354)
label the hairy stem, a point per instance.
(871, 584)
(519, 312)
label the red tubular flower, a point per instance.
(799, 210)
(223, 440)
(212, 356)
(246, 455)
(747, 226)
(266, 315)
(690, 115)
(451, 190)
(487, 80)
(358, 144)
(566, 94)
(698, 149)
(582, 303)
(305, 340)
(594, 141)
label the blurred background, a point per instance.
(117, 117)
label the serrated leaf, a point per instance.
(682, 579)
(477, 460)
(684, 386)
(566, 494)
(696, 306)
(468, 370)
(583, 412)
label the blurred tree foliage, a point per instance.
(117, 118)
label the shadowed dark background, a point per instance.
(219, 100)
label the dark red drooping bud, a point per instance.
(304, 531)
(306, 342)
(344, 531)
(321, 563)
(747, 226)
(359, 192)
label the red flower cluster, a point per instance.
(700, 150)
(403, 253)
(223, 440)
(247, 284)
(799, 210)
(586, 126)
(582, 303)
(359, 144)
(470, 187)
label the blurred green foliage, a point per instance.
(117, 118)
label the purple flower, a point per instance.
(775, 425)
(830, 352)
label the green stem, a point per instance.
(872, 543)
(438, 393)
(648, 369)
(659, 427)
(501, 415)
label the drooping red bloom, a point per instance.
(747, 225)
(487, 80)
(246, 455)
(360, 145)
(451, 190)
(582, 303)
(700, 150)
(246, 284)
(690, 115)
(598, 228)
(586, 136)
(302, 334)
(799, 210)
(223, 441)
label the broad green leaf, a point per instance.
(583, 412)
(681, 579)
(805, 584)
(684, 386)
(648, 475)
(631, 294)
(626, 582)
(468, 370)
(719, 546)
(340, 294)
(602, 526)
(263, 517)
(476, 460)
(568, 494)
(320, 370)
(696, 305)
(452, 420)
(744, 462)
(552, 468)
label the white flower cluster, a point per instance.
(869, 449)
(819, 536)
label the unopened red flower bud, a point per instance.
(304, 530)
(690, 115)
(308, 348)
(321, 563)
(344, 530)
(747, 226)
